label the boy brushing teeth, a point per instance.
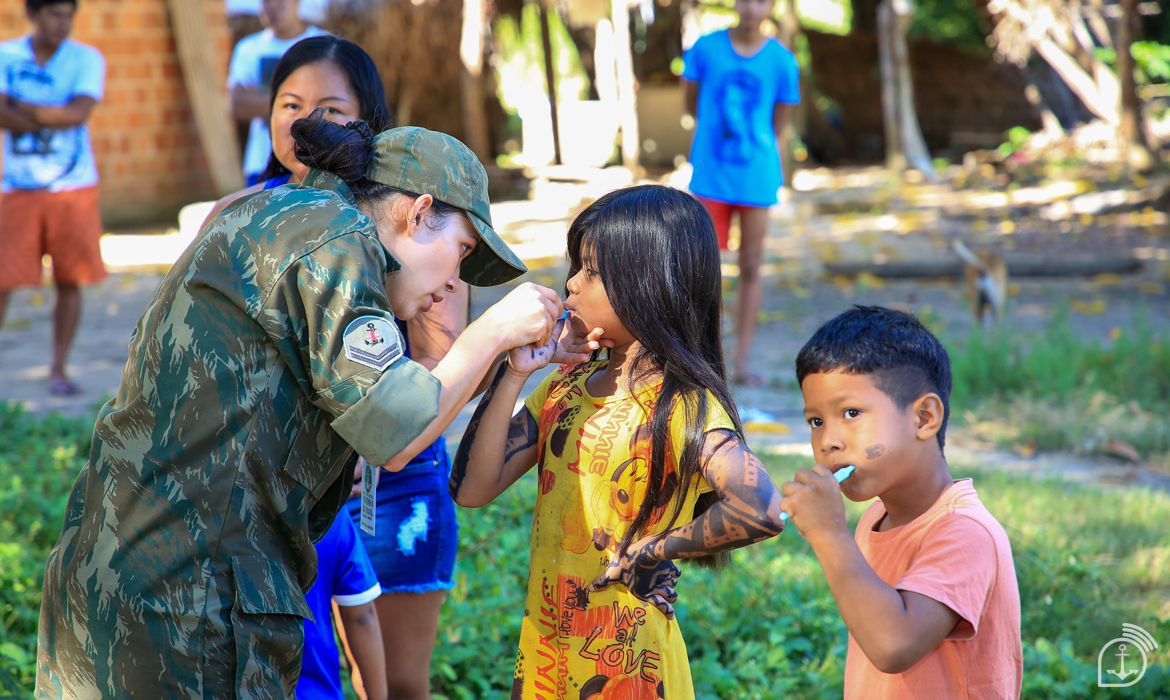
(927, 587)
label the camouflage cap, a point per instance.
(416, 160)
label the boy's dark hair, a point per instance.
(357, 66)
(34, 6)
(656, 253)
(904, 358)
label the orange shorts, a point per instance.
(721, 216)
(66, 226)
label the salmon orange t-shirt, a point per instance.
(593, 469)
(959, 555)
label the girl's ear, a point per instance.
(420, 208)
(928, 416)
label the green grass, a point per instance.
(766, 627)
(1059, 391)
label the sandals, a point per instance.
(63, 387)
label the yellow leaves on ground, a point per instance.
(1156, 288)
(866, 279)
(1026, 449)
(844, 283)
(769, 428)
(1107, 279)
(1013, 290)
(772, 316)
(827, 252)
(1096, 307)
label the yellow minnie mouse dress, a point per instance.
(593, 466)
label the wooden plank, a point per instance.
(1018, 264)
(206, 92)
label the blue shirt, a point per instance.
(734, 153)
(56, 159)
(346, 575)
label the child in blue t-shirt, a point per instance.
(344, 576)
(741, 86)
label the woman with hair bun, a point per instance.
(338, 77)
(267, 362)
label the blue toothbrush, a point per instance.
(840, 475)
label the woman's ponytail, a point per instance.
(344, 151)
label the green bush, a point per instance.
(39, 461)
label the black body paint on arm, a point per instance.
(459, 467)
(522, 434)
(741, 517)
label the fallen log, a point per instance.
(1018, 265)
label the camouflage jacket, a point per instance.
(266, 358)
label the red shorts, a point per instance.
(721, 216)
(66, 226)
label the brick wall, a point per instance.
(147, 148)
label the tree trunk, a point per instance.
(789, 29)
(627, 104)
(475, 127)
(1130, 127)
(886, 26)
(904, 142)
(550, 78)
(605, 65)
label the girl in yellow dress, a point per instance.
(624, 487)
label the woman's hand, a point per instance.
(526, 316)
(649, 579)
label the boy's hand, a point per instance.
(813, 503)
(649, 579)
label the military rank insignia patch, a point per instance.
(373, 341)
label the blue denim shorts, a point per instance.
(416, 535)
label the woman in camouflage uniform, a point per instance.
(267, 361)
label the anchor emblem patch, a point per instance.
(373, 341)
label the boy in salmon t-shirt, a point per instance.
(928, 588)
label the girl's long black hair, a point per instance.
(656, 252)
(357, 66)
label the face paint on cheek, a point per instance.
(875, 451)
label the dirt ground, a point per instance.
(836, 222)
